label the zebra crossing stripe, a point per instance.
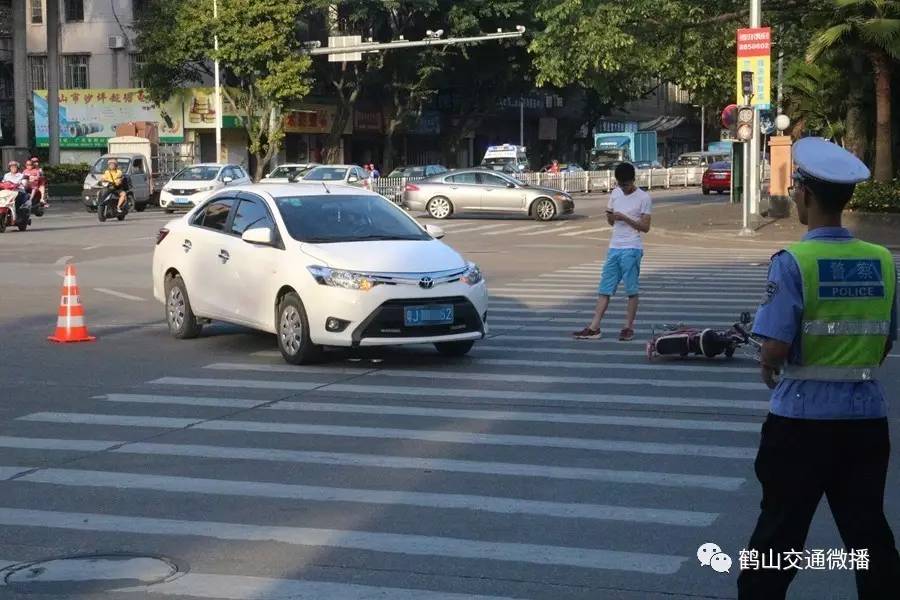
(393, 543)
(516, 230)
(678, 480)
(547, 230)
(395, 390)
(587, 231)
(501, 377)
(452, 413)
(260, 489)
(243, 587)
(424, 435)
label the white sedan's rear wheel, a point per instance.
(439, 208)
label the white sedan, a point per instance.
(318, 266)
(192, 185)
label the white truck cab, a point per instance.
(507, 158)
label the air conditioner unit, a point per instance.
(116, 42)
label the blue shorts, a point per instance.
(622, 265)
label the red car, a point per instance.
(717, 178)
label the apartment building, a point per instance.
(95, 43)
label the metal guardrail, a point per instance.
(581, 182)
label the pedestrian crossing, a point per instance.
(582, 228)
(538, 467)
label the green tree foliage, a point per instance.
(815, 96)
(263, 68)
(871, 27)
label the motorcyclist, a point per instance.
(35, 180)
(117, 180)
(15, 180)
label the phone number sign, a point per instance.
(754, 55)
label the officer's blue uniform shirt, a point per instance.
(779, 318)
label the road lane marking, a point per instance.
(585, 295)
(394, 543)
(261, 489)
(396, 390)
(500, 377)
(119, 294)
(678, 480)
(449, 413)
(697, 367)
(62, 260)
(386, 433)
(501, 307)
(93, 247)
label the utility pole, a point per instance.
(753, 166)
(521, 121)
(20, 68)
(218, 93)
(53, 78)
(702, 127)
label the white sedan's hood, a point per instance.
(189, 185)
(411, 256)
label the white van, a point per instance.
(506, 158)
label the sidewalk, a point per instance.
(724, 221)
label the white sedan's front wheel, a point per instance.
(293, 332)
(439, 208)
(180, 318)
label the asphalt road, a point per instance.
(536, 468)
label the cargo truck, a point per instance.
(612, 149)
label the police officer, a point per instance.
(828, 319)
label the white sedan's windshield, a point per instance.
(326, 174)
(330, 218)
(197, 174)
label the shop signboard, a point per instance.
(89, 117)
(200, 110)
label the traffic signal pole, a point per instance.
(753, 166)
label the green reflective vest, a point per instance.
(848, 290)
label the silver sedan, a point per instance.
(480, 190)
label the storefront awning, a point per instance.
(664, 123)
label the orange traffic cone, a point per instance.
(70, 325)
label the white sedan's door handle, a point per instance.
(187, 246)
(223, 254)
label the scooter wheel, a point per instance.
(2, 225)
(101, 214)
(120, 216)
(22, 226)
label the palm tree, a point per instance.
(871, 27)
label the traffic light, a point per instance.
(744, 123)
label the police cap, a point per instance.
(817, 158)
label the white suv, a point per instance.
(323, 265)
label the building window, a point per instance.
(37, 11)
(75, 71)
(74, 10)
(37, 65)
(138, 8)
(136, 62)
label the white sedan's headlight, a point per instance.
(88, 186)
(473, 276)
(207, 188)
(349, 280)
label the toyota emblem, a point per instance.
(426, 283)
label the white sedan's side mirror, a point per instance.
(352, 179)
(226, 180)
(258, 235)
(434, 231)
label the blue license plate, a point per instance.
(182, 201)
(438, 314)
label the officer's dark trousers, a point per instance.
(799, 460)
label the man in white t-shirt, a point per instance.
(629, 215)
